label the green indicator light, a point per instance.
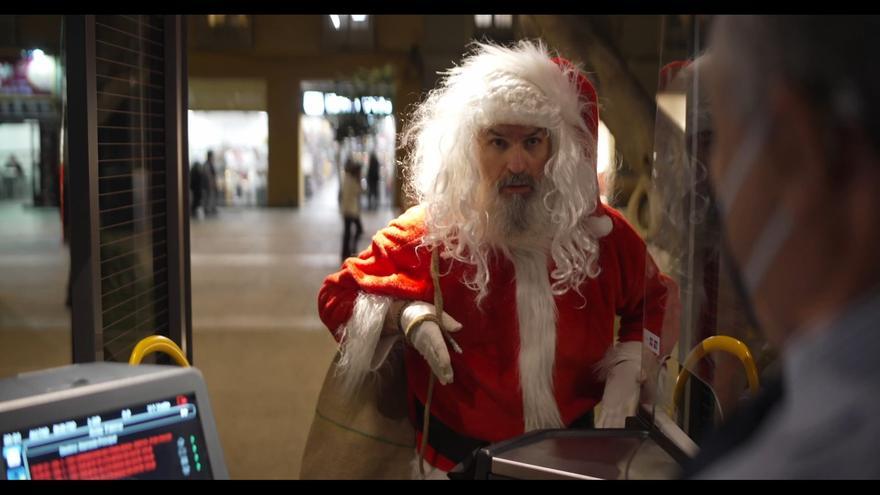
(197, 457)
(198, 466)
(192, 438)
(194, 448)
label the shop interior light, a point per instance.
(674, 105)
(216, 20)
(42, 70)
(358, 18)
(605, 161)
(386, 106)
(334, 104)
(483, 21)
(239, 21)
(605, 149)
(313, 102)
(504, 21)
(377, 105)
(336, 22)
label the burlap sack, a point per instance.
(364, 437)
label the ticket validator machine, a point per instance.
(109, 421)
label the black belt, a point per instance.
(452, 445)
(457, 447)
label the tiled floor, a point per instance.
(257, 337)
(34, 322)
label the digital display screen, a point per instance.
(157, 440)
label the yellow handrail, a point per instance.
(157, 343)
(716, 343)
(643, 192)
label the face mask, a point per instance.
(732, 267)
(776, 230)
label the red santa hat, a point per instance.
(669, 72)
(599, 223)
(587, 93)
(669, 77)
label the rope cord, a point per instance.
(438, 313)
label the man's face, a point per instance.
(738, 150)
(744, 147)
(512, 158)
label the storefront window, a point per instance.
(34, 255)
(239, 141)
(335, 128)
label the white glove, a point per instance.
(622, 386)
(428, 339)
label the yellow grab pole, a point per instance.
(722, 343)
(157, 343)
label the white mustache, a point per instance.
(517, 180)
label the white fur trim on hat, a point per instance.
(521, 86)
(601, 226)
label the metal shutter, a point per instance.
(129, 165)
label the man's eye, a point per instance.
(498, 143)
(533, 142)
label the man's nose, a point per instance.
(517, 161)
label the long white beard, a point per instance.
(518, 222)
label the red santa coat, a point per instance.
(485, 400)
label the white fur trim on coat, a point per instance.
(536, 312)
(362, 346)
(623, 351)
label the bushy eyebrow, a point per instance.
(539, 131)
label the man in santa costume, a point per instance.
(532, 270)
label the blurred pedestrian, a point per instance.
(351, 208)
(373, 182)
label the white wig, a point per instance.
(519, 85)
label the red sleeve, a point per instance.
(644, 289)
(391, 266)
